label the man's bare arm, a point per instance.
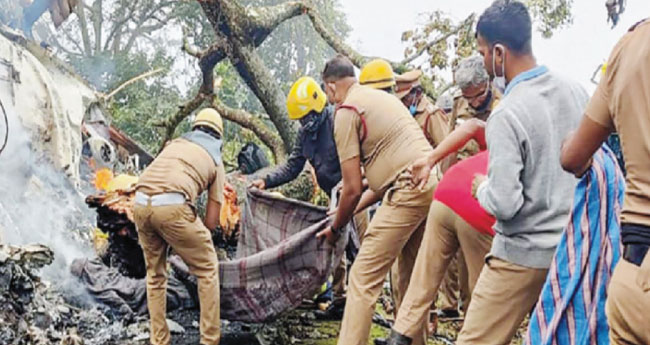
(579, 147)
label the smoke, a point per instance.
(38, 204)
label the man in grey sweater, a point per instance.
(526, 189)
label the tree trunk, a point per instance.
(256, 75)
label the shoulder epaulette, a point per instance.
(360, 113)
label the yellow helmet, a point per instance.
(210, 118)
(121, 182)
(305, 95)
(377, 74)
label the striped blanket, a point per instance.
(571, 307)
(279, 260)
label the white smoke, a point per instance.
(38, 204)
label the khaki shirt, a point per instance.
(393, 140)
(622, 103)
(184, 167)
(432, 120)
(462, 111)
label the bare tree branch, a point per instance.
(207, 61)
(189, 48)
(334, 41)
(255, 124)
(468, 21)
(76, 44)
(98, 18)
(265, 19)
(85, 36)
(131, 81)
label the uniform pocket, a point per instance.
(643, 274)
(188, 212)
(404, 193)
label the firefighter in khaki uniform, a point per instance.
(433, 120)
(476, 98)
(435, 125)
(374, 130)
(621, 103)
(378, 74)
(165, 216)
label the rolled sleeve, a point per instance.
(215, 192)
(346, 134)
(598, 106)
(502, 193)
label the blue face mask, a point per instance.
(413, 109)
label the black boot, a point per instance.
(398, 339)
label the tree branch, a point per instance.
(131, 81)
(98, 18)
(255, 124)
(85, 36)
(207, 61)
(170, 123)
(334, 41)
(468, 21)
(264, 19)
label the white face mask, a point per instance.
(499, 81)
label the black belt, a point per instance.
(635, 253)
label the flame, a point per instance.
(230, 212)
(102, 178)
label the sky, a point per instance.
(574, 51)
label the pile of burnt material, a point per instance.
(119, 247)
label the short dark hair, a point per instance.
(338, 67)
(506, 22)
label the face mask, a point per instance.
(413, 109)
(311, 122)
(499, 81)
(486, 103)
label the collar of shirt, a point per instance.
(530, 74)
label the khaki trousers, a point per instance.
(449, 287)
(628, 303)
(178, 226)
(394, 231)
(504, 294)
(445, 234)
(339, 277)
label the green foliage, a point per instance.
(549, 16)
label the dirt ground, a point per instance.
(300, 327)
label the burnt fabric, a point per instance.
(122, 294)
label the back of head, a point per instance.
(377, 74)
(506, 22)
(471, 72)
(337, 68)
